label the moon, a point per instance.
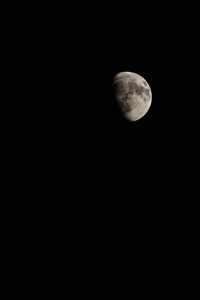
(133, 95)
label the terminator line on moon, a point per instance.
(133, 95)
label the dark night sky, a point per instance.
(104, 193)
(83, 127)
(98, 182)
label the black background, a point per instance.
(79, 135)
(75, 140)
(93, 51)
(94, 184)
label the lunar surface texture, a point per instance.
(133, 95)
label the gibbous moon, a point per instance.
(133, 95)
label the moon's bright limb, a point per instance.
(133, 95)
